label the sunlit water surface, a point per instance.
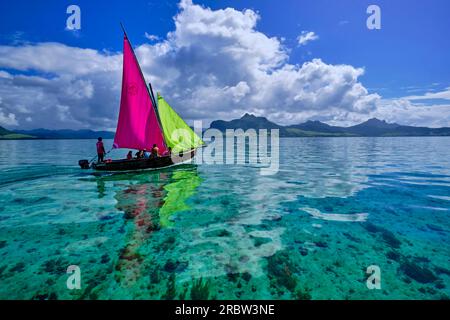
(336, 207)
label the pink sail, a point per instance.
(138, 126)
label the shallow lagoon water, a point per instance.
(336, 206)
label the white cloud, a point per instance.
(215, 64)
(431, 95)
(86, 81)
(405, 112)
(306, 36)
(5, 75)
(239, 91)
(151, 37)
(210, 52)
(57, 58)
(7, 119)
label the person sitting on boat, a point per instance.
(146, 154)
(130, 155)
(168, 152)
(140, 154)
(100, 150)
(155, 151)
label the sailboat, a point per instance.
(144, 122)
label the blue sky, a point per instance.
(407, 57)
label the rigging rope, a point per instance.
(97, 155)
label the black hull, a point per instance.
(142, 164)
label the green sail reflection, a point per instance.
(185, 185)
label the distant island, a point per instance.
(53, 134)
(370, 128)
(11, 135)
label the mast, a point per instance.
(152, 96)
(123, 29)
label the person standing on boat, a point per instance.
(130, 155)
(100, 150)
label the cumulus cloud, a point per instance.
(56, 58)
(405, 112)
(70, 87)
(215, 64)
(306, 36)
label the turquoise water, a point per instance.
(337, 206)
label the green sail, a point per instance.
(178, 135)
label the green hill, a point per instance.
(10, 135)
(3, 131)
(370, 128)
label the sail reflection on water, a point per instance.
(148, 202)
(183, 187)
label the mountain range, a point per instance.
(370, 128)
(66, 134)
(53, 134)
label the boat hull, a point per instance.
(142, 164)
